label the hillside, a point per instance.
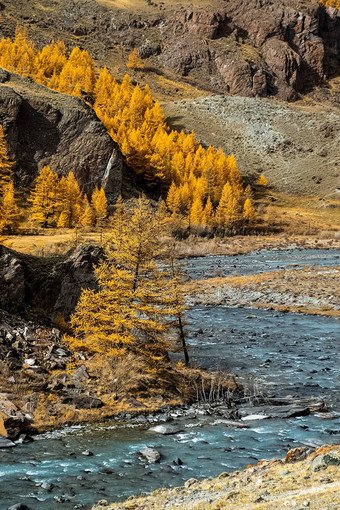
(296, 146)
(245, 48)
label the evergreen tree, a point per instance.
(99, 204)
(262, 181)
(44, 198)
(9, 213)
(134, 60)
(134, 308)
(5, 164)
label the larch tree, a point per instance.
(87, 218)
(262, 181)
(5, 163)
(9, 212)
(134, 60)
(44, 198)
(99, 204)
(196, 213)
(135, 305)
(249, 213)
(69, 202)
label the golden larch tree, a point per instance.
(134, 308)
(44, 198)
(249, 213)
(134, 60)
(5, 163)
(9, 212)
(99, 204)
(69, 202)
(262, 181)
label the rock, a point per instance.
(12, 420)
(281, 412)
(150, 454)
(44, 127)
(232, 424)
(47, 486)
(83, 402)
(25, 438)
(87, 453)
(4, 75)
(6, 443)
(189, 483)
(81, 373)
(166, 430)
(297, 454)
(12, 272)
(178, 462)
(30, 362)
(326, 459)
(325, 416)
(57, 293)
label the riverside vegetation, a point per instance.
(111, 354)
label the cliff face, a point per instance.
(51, 285)
(44, 127)
(255, 48)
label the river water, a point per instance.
(285, 354)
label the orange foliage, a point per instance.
(331, 3)
(205, 184)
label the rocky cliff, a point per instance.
(255, 48)
(44, 127)
(48, 286)
(250, 48)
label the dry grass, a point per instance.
(53, 242)
(299, 215)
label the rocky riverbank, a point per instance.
(312, 290)
(304, 479)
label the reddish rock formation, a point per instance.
(288, 44)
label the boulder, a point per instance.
(80, 374)
(326, 459)
(5, 443)
(12, 420)
(150, 454)
(166, 429)
(281, 412)
(83, 402)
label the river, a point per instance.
(283, 353)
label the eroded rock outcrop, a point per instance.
(53, 286)
(44, 127)
(289, 44)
